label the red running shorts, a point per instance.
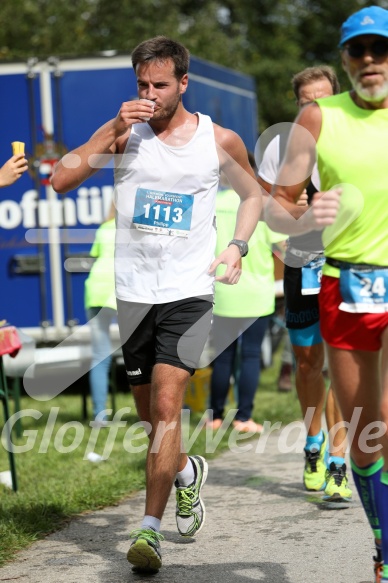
(343, 329)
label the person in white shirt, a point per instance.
(303, 264)
(166, 179)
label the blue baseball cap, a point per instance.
(371, 20)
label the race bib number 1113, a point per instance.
(163, 213)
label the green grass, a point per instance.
(56, 485)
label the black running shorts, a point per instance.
(174, 333)
(301, 311)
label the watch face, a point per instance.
(243, 249)
(242, 245)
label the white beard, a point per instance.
(371, 94)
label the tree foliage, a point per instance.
(269, 39)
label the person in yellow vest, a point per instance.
(346, 133)
(241, 316)
(101, 311)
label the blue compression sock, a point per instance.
(368, 486)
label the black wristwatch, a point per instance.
(242, 245)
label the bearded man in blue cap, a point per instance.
(349, 145)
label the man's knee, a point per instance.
(308, 364)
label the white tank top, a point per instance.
(165, 214)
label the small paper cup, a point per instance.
(150, 103)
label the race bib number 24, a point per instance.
(364, 290)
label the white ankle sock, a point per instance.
(187, 475)
(151, 521)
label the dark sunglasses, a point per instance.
(378, 48)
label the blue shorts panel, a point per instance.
(306, 336)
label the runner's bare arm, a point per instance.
(282, 211)
(81, 163)
(266, 189)
(235, 164)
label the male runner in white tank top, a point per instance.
(166, 180)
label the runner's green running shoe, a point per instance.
(190, 509)
(314, 475)
(337, 488)
(144, 553)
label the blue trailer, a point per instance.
(54, 106)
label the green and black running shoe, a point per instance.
(337, 488)
(190, 509)
(314, 475)
(144, 553)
